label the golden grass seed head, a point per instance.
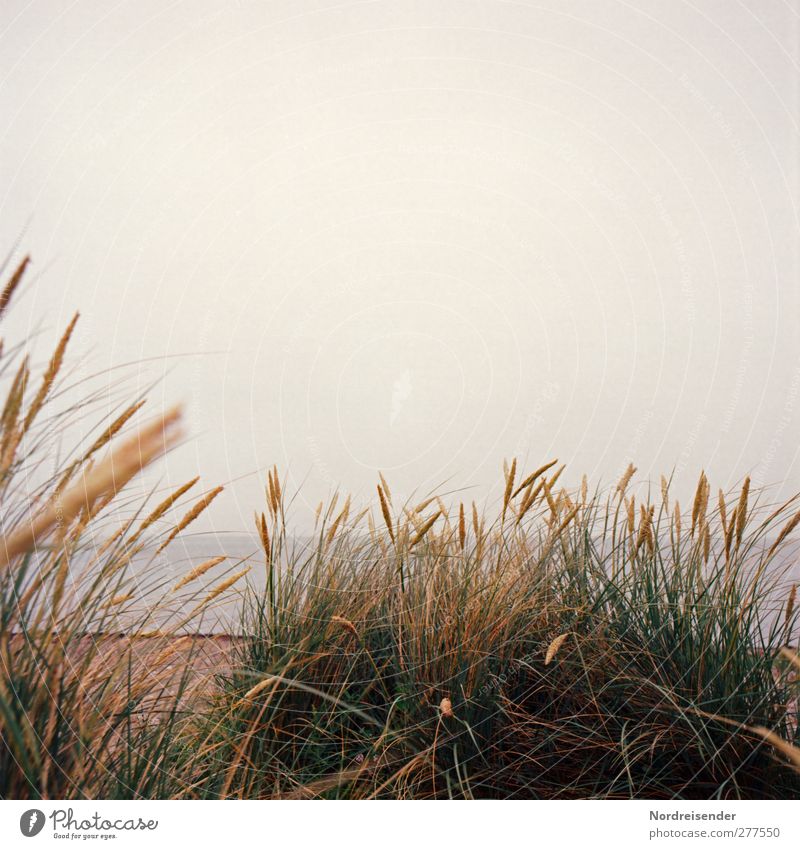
(424, 528)
(13, 283)
(385, 487)
(553, 648)
(198, 571)
(785, 531)
(116, 600)
(723, 511)
(191, 516)
(387, 516)
(741, 510)
(532, 477)
(162, 508)
(626, 478)
(790, 605)
(509, 485)
(550, 500)
(220, 588)
(50, 374)
(556, 475)
(346, 624)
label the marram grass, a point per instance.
(84, 711)
(566, 645)
(575, 646)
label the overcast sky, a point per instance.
(419, 236)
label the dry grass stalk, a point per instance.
(122, 464)
(387, 516)
(533, 476)
(626, 479)
(259, 688)
(703, 514)
(477, 526)
(555, 645)
(119, 599)
(567, 520)
(346, 624)
(385, 487)
(198, 571)
(175, 647)
(645, 528)
(526, 495)
(271, 500)
(730, 532)
(700, 505)
(786, 530)
(423, 505)
(220, 588)
(416, 520)
(50, 375)
(790, 605)
(553, 480)
(162, 508)
(263, 534)
(790, 752)
(509, 486)
(11, 432)
(723, 512)
(112, 430)
(550, 500)
(426, 526)
(741, 511)
(11, 286)
(190, 517)
(110, 540)
(462, 526)
(274, 491)
(630, 506)
(530, 498)
(104, 439)
(698, 495)
(360, 517)
(339, 520)
(276, 488)
(315, 789)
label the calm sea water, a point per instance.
(152, 580)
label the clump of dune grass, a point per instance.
(576, 645)
(85, 711)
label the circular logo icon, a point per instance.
(31, 822)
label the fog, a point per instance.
(417, 237)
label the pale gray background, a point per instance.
(420, 236)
